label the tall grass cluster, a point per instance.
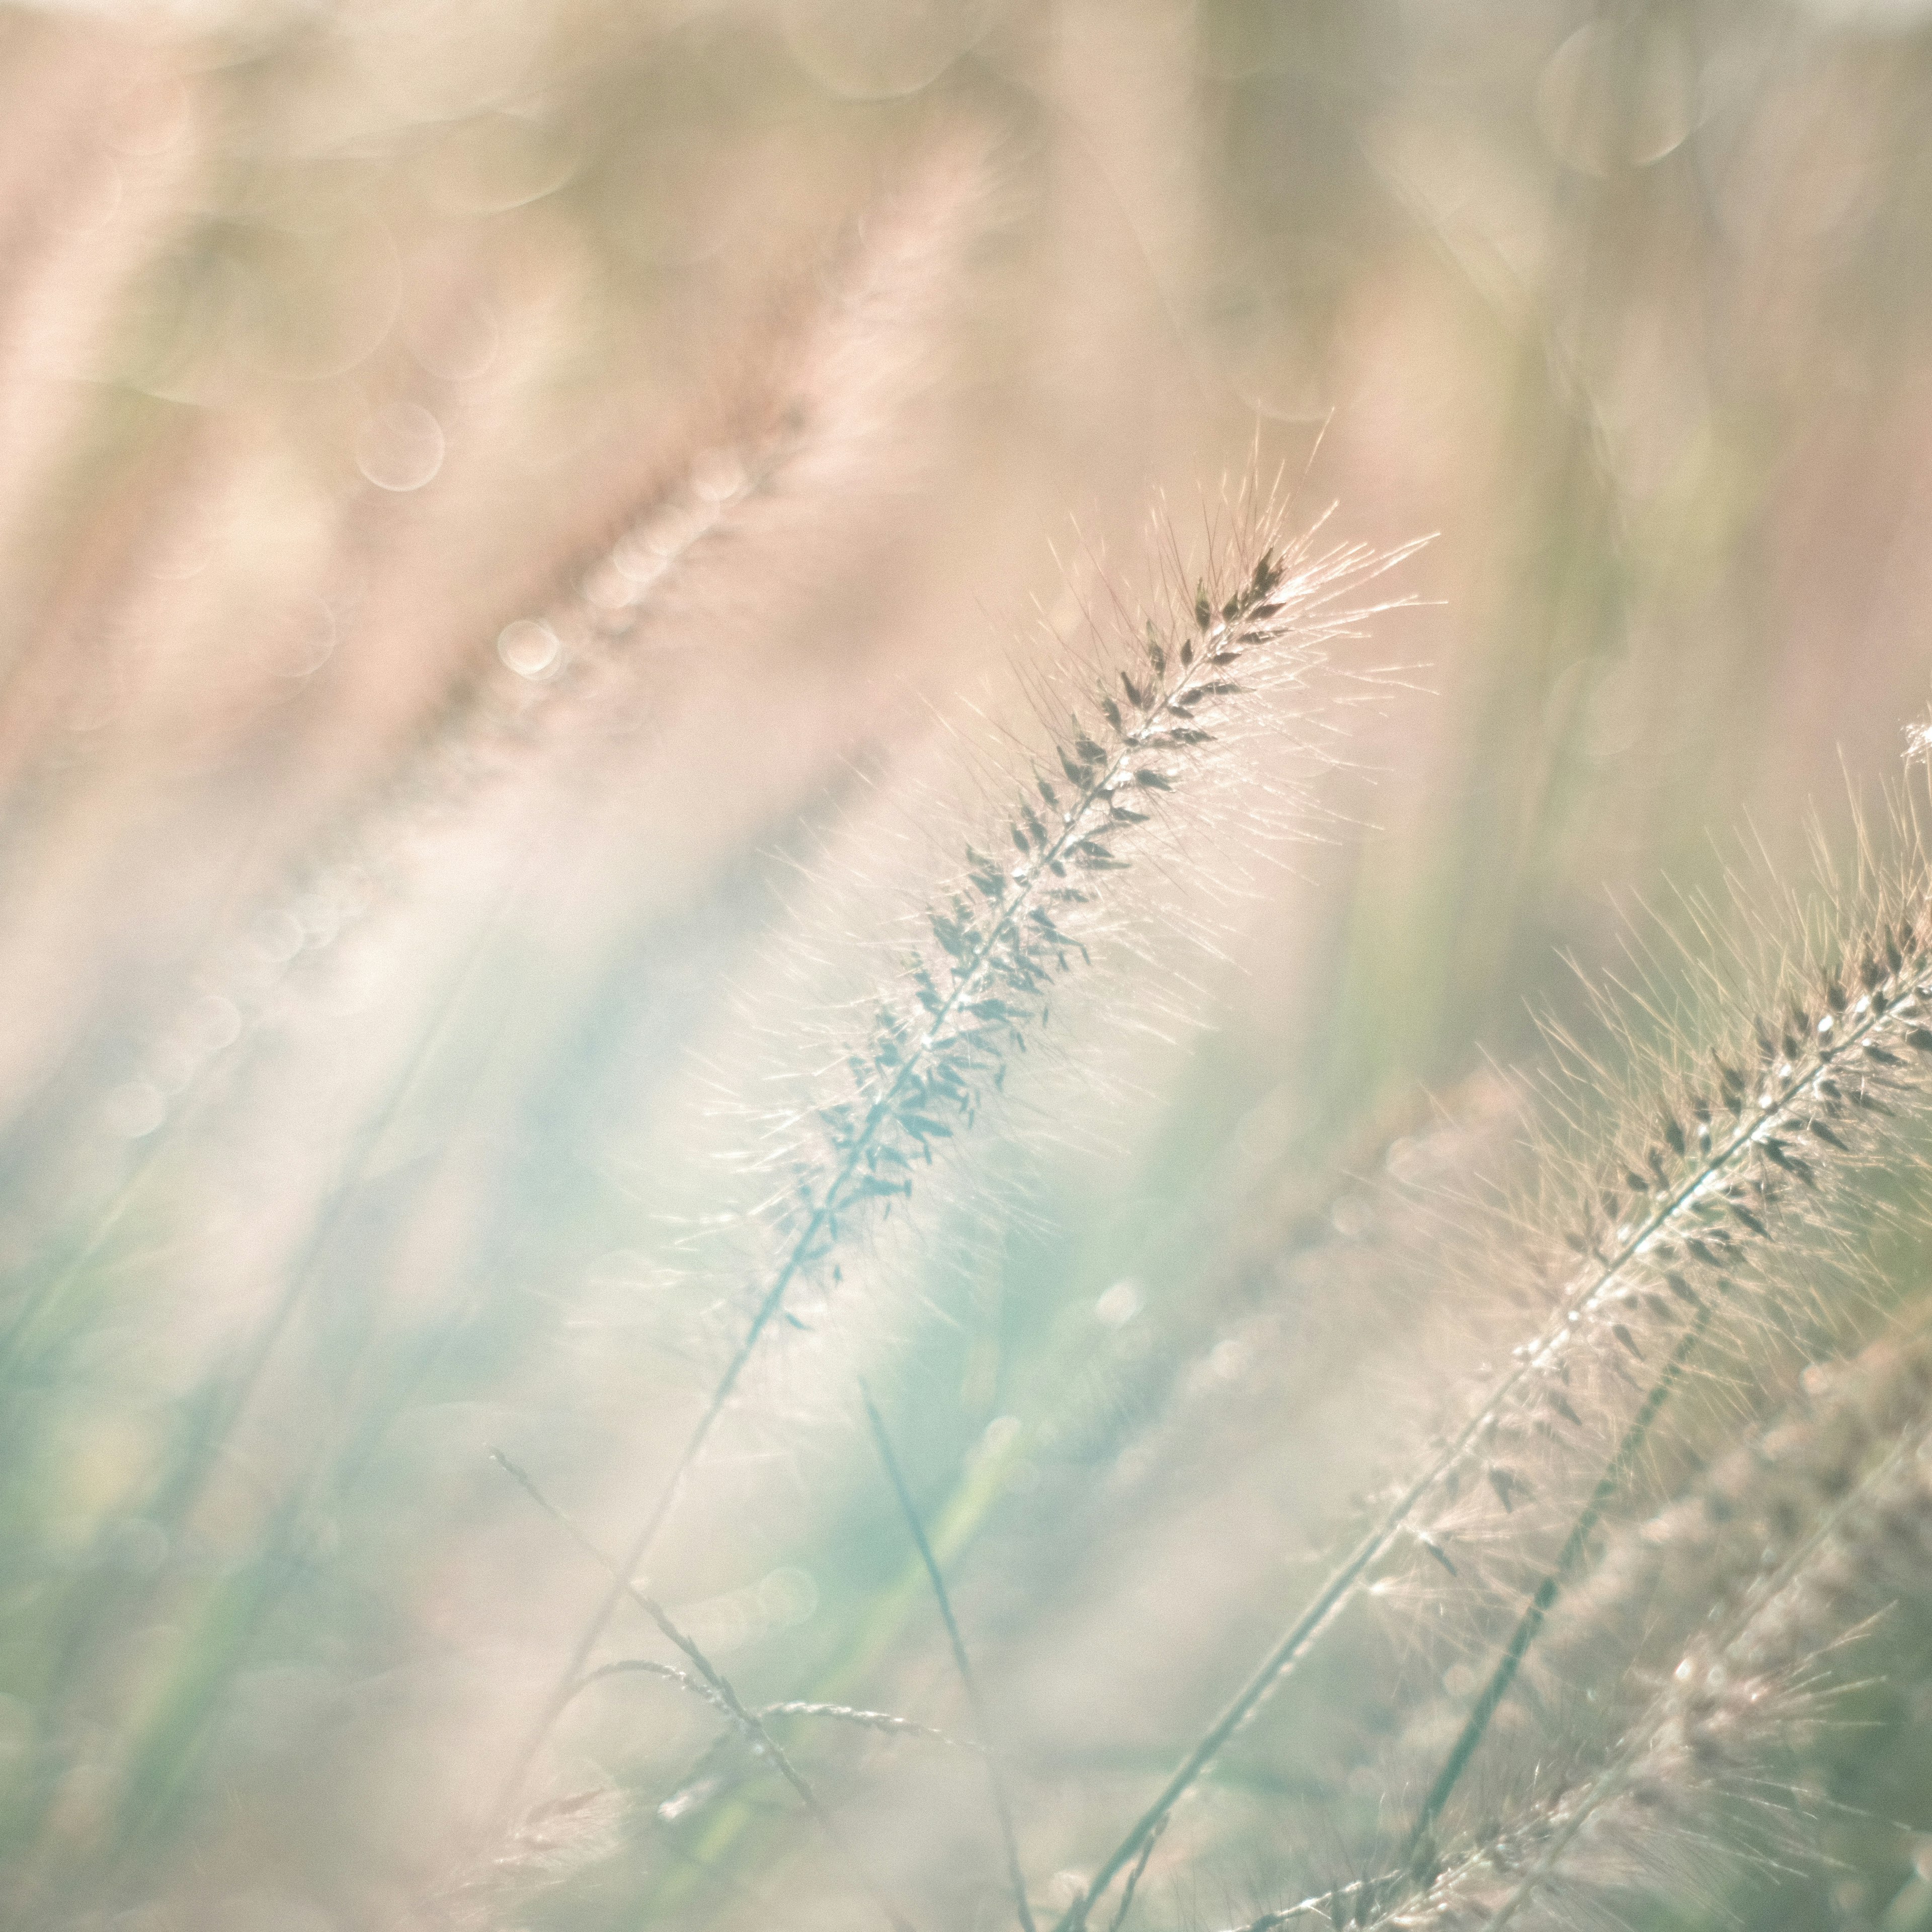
(967, 966)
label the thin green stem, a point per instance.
(995, 1780)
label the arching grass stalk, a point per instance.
(999, 943)
(886, 1723)
(713, 1685)
(823, 398)
(1726, 1154)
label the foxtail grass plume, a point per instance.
(1724, 1245)
(1000, 941)
(1720, 1237)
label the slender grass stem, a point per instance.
(1133, 1884)
(996, 1781)
(646, 1666)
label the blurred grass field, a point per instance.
(384, 1017)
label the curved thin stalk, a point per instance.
(716, 1688)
